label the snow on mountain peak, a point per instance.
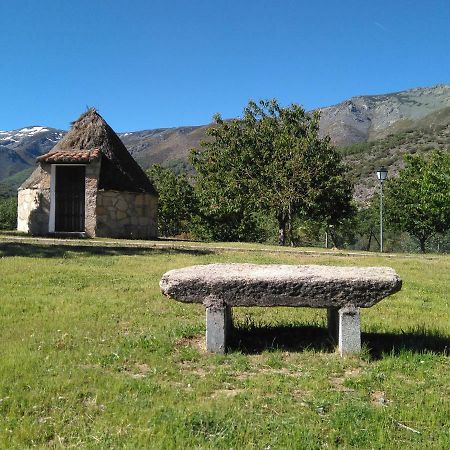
(30, 131)
(15, 136)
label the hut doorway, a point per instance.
(69, 198)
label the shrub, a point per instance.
(8, 213)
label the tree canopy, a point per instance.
(8, 213)
(272, 160)
(418, 200)
(176, 203)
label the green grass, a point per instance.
(93, 356)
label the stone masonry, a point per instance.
(126, 214)
(33, 210)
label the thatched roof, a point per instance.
(90, 133)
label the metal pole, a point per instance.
(381, 218)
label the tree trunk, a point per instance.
(289, 227)
(337, 243)
(422, 241)
(370, 241)
(282, 229)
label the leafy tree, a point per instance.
(271, 161)
(418, 201)
(176, 204)
(368, 223)
(8, 213)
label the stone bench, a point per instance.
(342, 290)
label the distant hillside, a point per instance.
(372, 117)
(20, 148)
(163, 145)
(370, 131)
(8, 186)
(364, 158)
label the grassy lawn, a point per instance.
(93, 356)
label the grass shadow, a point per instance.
(10, 249)
(255, 339)
(416, 341)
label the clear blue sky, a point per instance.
(148, 64)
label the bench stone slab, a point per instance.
(281, 285)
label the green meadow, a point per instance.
(93, 356)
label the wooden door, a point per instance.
(69, 198)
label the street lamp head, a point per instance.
(382, 173)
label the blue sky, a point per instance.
(150, 64)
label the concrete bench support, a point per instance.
(344, 328)
(333, 323)
(349, 339)
(218, 327)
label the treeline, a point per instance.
(268, 177)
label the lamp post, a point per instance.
(381, 175)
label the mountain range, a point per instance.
(369, 131)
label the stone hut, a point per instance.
(88, 184)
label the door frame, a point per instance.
(51, 221)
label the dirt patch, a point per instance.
(243, 376)
(179, 386)
(378, 398)
(302, 396)
(283, 371)
(124, 328)
(338, 384)
(188, 368)
(226, 393)
(353, 372)
(140, 370)
(197, 342)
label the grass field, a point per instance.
(93, 356)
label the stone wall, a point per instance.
(126, 215)
(33, 211)
(91, 186)
(33, 202)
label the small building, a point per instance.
(88, 184)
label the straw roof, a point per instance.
(89, 134)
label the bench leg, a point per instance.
(218, 325)
(349, 330)
(333, 323)
(229, 319)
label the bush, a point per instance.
(8, 213)
(176, 205)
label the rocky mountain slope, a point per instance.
(367, 118)
(412, 137)
(20, 148)
(164, 145)
(370, 131)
